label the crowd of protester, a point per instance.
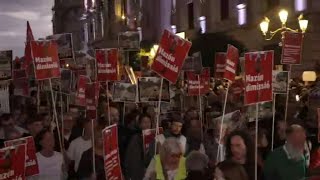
(185, 149)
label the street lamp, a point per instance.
(283, 15)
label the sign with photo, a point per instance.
(280, 81)
(111, 153)
(220, 64)
(5, 65)
(46, 60)
(170, 56)
(198, 84)
(258, 77)
(65, 47)
(231, 120)
(124, 92)
(107, 64)
(292, 47)
(193, 63)
(32, 167)
(13, 162)
(129, 40)
(232, 59)
(149, 89)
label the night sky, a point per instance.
(13, 19)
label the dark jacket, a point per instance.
(85, 169)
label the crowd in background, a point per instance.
(185, 150)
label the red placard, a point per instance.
(111, 153)
(170, 56)
(194, 80)
(13, 162)
(232, 59)
(237, 87)
(21, 87)
(318, 110)
(32, 167)
(220, 64)
(46, 60)
(107, 64)
(81, 91)
(258, 77)
(148, 136)
(92, 97)
(292, 48)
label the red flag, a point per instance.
(258, 77)
(231, 63)
(27, 50)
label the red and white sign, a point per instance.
(170, 56)
(220, 64)
(107, 64)
(148, 137)
(258, 77)
(111, 153)
(194, 81)
(32, 167)
(92, 97)
(81, 91)
(232, 59)
(237, 87)
(292, 48)
(46, 60)
(318, 110)
(13, 162)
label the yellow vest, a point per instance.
(181, 173)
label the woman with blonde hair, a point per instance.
(169, 164)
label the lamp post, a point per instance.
(268, 35)
(283, 15)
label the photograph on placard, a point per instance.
(5, 64)
(231, 120)
(124, 92)
(149, 89)
(280, 81)
(129, 40)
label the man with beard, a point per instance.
(173, 131)
(288, 161)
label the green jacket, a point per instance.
(181, 174)
(279, 166)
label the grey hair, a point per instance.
(170, 146)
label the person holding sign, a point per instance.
(168, 164)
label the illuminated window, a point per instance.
(202, 22)
(174, 29)
(300, 5)
(242, 14)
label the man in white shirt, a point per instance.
(80, 144)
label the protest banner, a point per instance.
(232, 59)
(107, 64)
(129, 40)
(65, 48)
(198, 83)
(149, 89)
(13, 162)
(46, 60)
(111, 153)
(92, 97)
(124, 92)
(220, 64)
(280, 80)
(148, 136)
(5, 65)
(80, 98)
(258, 77)
(292, 47)
(170, 56)
(32, 167)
